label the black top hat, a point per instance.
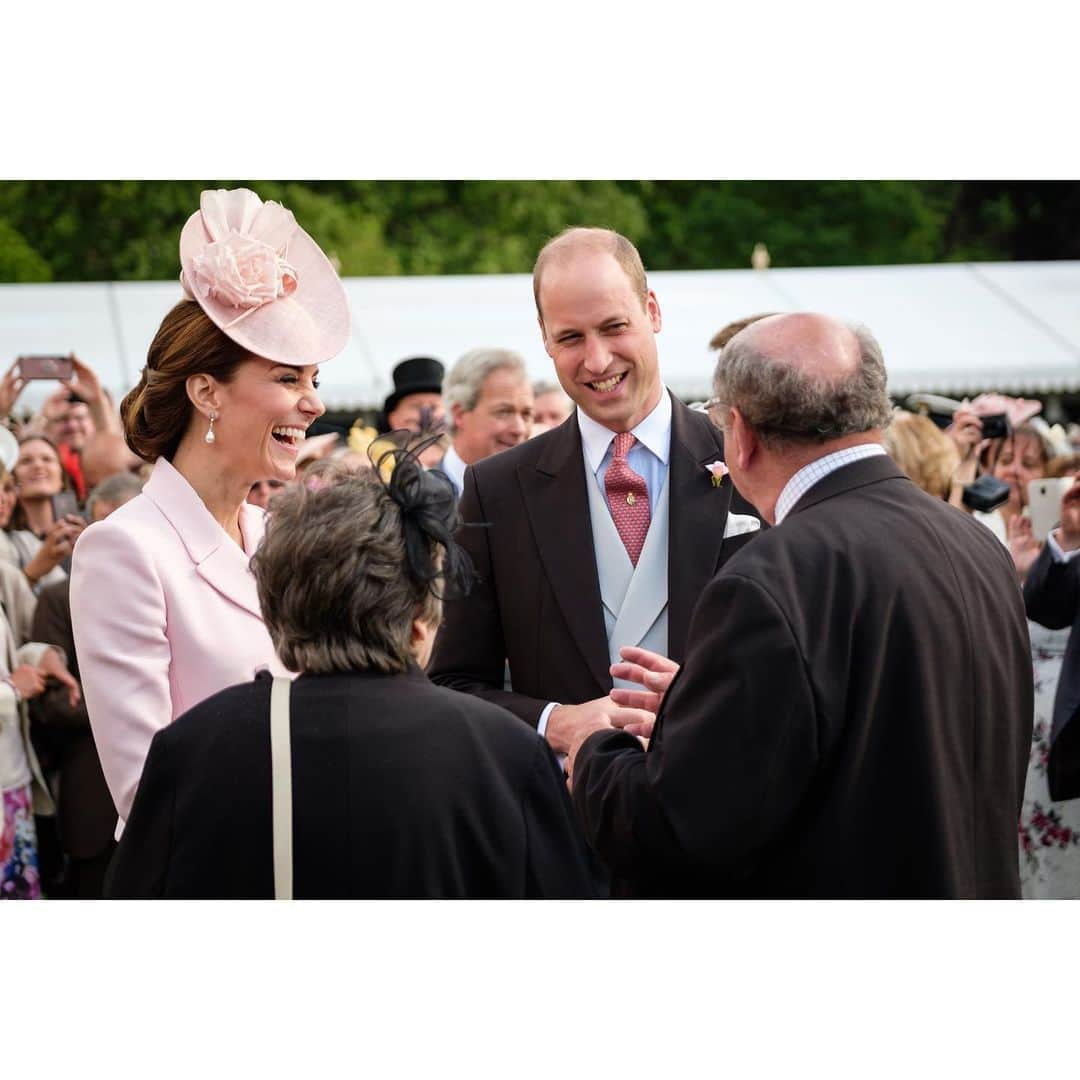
(416, 375)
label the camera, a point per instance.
(986, 493)
(941, 410)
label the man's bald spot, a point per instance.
(570, 244)
(817, 345)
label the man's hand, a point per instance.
(649, 670)
(570, 723)
(11, 386)
(583, 733)
(51, 665)
(1068, 535)
(28, 681)
(1023, 546)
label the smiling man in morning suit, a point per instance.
(853, 718)
(600, 533)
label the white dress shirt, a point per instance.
(648, 457)
(1057, 552)
(817, 470)
(454, 467)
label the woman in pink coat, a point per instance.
(164, 606)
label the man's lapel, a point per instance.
(698, 513)
(557, 504)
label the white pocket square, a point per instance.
(737, 524)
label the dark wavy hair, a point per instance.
(349, 560)
(157, 411)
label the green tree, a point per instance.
(127, 229)
(19, 262)
(699, 225)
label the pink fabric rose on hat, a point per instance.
(242, 272)
(262, 280)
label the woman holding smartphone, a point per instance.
(44, 523)
(164, 606)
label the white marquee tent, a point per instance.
(950, 328)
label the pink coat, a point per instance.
(165, 613)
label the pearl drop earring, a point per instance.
(210, 437)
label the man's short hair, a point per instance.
(114, 491)
(592, 239)
(466, 378)
(785, 404)
(546, 386)
(726, 333)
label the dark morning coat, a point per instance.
(1052, 598)
(537, 603)
(85, 808)
(853, 718)
(400, 789)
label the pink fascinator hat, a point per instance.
(262, 280)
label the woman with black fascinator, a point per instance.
(370, 781)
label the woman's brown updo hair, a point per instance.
(156, 413)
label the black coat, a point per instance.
(85, 808)
(853, 718)
(1052, 598)
(537, 604)
(400, 789)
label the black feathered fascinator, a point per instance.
(428, 505)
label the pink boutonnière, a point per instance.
(717, 470)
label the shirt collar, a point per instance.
(654, 433)
(817, 470)
(454, 467)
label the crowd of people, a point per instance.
(574, 638)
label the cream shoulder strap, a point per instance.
(281, 772)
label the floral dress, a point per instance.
(1049, 831)
(19, 878)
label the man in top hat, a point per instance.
(417, 387)
(574, 558)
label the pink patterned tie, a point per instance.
(628, 498)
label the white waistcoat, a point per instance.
(635, 599)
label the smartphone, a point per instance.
(46, 367)
(1044, 504)
(63, 503)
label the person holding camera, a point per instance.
(1050, 822)
(45, 522)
